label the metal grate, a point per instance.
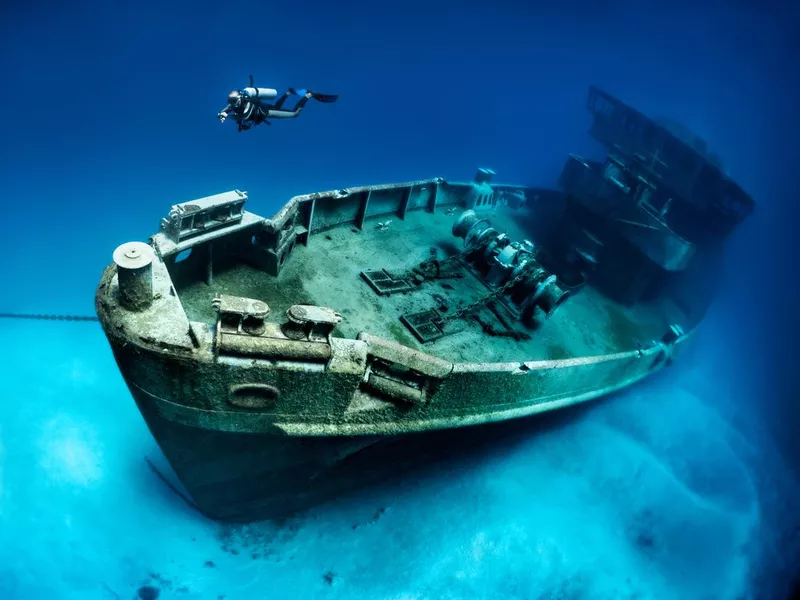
(384, 284)
(426, 326)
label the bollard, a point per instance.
(134, 262)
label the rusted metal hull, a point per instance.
(244, 477)
(254, 476)
(245, 465)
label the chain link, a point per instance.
(423, 270)
(438, 264)
(485, 299)
(48, 317)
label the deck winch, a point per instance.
(505, 263)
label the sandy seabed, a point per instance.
(659, 492)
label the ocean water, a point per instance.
(683, 487)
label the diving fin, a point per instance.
(324, 97)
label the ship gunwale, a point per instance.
(523, 382)
(629, 327)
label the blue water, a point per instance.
(684, 487)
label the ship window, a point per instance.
(183, 255)
(254, 396)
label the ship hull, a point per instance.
(239, 470)
(253, 463)
(245, 477)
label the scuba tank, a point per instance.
(258, 93)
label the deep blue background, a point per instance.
(109, 118)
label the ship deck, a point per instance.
(327, 272)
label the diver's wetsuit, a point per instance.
(248, 112)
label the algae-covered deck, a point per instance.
(327, 272)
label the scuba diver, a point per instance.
(251, 106)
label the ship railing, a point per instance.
(197, 226)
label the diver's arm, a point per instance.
(223, 114)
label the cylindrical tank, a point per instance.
(261, 93)
(134, 262)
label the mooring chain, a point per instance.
(439, 264)
(481, 301)
(48, 317)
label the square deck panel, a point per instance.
(424, 325)
(384, 284)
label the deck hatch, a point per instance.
(384, 284)
(424, 325)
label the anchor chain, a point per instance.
(425, 268)
(48, 317)
(485, 299)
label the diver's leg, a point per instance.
(328, 98)
(290, 114)
(318, 97)
(279, 104)
(307, 95)
(260, 116)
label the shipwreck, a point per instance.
(279, 362)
